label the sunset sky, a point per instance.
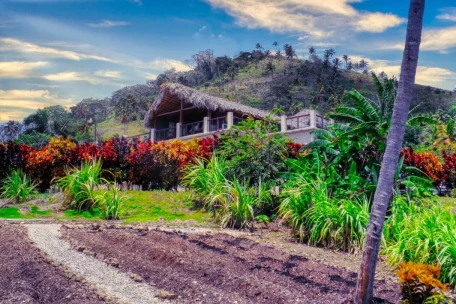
(59, 52)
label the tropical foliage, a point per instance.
(17, 187)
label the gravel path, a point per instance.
(112, 282)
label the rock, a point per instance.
(136, 277)
(113, 262)
(81, 248)
(163, 294)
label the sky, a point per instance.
(61, 51)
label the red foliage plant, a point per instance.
(449, 169)
(293, 149)
(426, 162)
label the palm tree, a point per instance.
(10, 130)
(311, 51)
(365, 283)
(39, 122)
(363, 64)
(346, 59)
(276, 44)
(258, 47)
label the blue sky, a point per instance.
(61, 51)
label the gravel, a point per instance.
(115, 284)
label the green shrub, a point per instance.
(254, 151)
(239, 203)
(427, 237)
(17, 187)
(110, 202)
(319, 219)
(79, 185)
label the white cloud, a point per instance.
(440, 40)
(108, 74)
(150, 76)
(15, 45)
(317, 18)
(433, 76)
(203, 28)
(377, 22)
(448, 14)
(108, 23)
(19, 69)
(72, 76)
(162, 64)
(17, 104)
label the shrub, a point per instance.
(48, 163)
(449, 169)
(18, 187)
(318, 218)
(239, 204)
(254, 151)
(110, 203)
(420, 283)
(426, 162)
(79, 186)
(10, 158)
(426, 236)
(153, 168)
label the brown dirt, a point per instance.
(221, 268)
(26, 276)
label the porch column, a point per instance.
(152, 136)
(178, 130)
(313, 119)
(229, 120)
(206, 125)
(283, 123)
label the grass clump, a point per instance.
(18, 187)
(110, 202)
(79, 185)
(11, 213)
(426, 236)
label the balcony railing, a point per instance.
(297, 122)
(322, 122)
(192, 128)
(165, 134)
(218, 124)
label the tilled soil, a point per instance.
(26, 276)
(219, 268)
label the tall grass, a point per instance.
(18, 187)
(79, 185)
(110, 203)
(231, 202)
(429, 237)
(321, 220)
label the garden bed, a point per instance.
(27, 277)
(217, 268)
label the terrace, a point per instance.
(183, 113)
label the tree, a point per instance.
(289, 51)
(10, 130)
(366, 275)
(270, 68)
(346, 59)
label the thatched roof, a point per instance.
(174, 92)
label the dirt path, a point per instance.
(222, 268)
(115, 284)
(27, 277)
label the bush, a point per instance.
(420, 283)
(18, 187)
(10, 158)
(426, 162)
(153, 168)
(426, 236)
(79, 186)
(254, 151)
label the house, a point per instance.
(185, 113)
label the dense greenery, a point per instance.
(18, 187)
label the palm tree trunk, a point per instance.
(383, 193)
